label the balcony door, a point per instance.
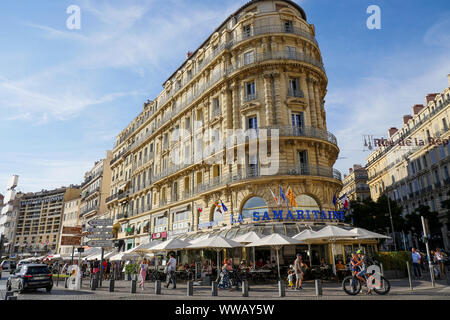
(298, 123)
(303, 161)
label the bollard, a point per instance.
(408, 268)
(8, 294)
(158, 287)
(111, 285)
(190, 288)
(57, 280)
(281, 289)
(214, 289)
(245, 288)
(11, 297)
(318, 283)
(133, 286)
(66, 281)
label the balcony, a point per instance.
(295, 93)
(215, 113)
(89, 193)
(123, 195)
(85, 211)
(250, 97)
(309, 132)
(112, 198)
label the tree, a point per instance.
(374, 216)
(446, 205)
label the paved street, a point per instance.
(331, 291)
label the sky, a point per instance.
(66, 93)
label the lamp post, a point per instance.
(425, 239)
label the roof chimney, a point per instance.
(188, 54)
(350, 170)
(406, 118)
(392, 131)
(417, 108)
(430, 97)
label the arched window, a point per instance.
(254, 204)
(305, 202)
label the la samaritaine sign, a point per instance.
(295, 215)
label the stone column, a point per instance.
(277, 99)
(235, 104)
(312, 108)
(268, 98)
(304, 88)
(318, 105)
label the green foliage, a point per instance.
(393, 260)
(131, 268)
(414, 221)
(374, 216)
(446, 205)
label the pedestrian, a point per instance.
(108, 269)
(290, 277)
(171, 267)
(416, 259)
(143, 266)
(299, 268)
(440, 261)
(225, 282)
(104, 269)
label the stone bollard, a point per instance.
(214, 289)
(57, 280)
(281, 289)
(11, 297)
(245, 288)
(66, 281)
(133, 286)
(158, 287)
(190, 288)
(111, 285)
(318, 283)
(9, 294)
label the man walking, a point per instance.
(171, 265)
(440, 262)
(416, 257)
(298, 265)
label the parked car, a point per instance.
(21, 263)
(8, 265)
(30, 276)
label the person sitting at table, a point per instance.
(259, 264)
(323, 263)
(268, 265)
(340, 270)
(251, 266)
(180, 267)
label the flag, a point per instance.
(200, 210)
(223, 206)
(290, 195)
(277, 201)
(282, 196)
(344, 201)
(334, 200)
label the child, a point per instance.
(291, 276)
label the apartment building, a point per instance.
(40, 219)
(70, 218)
(355, 184)
(412, 166)
(260, 69)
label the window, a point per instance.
(444, 124)
(436, 177)
(187, 124)
(247, 31)
(250, 93)
(424, 158)
(252, 123)
(441, 151)
(291, 52)
(249, 58)
(433, 156)
(445, 171)
(288, 26)
(303, 161)
(216, 107)
(294, 88)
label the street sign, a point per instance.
(103, 236)
(70, 241)
(80, 249)
(103, 222)
(72, 230)
(99, 230)
(99, 243)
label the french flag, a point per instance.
(344, 201)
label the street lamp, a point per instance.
(392, 223)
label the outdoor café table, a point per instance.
(260, 274)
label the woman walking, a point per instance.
(225, 282)
(143, 272)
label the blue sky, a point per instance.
(65, 94)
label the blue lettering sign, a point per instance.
(300, 215)
(255, 216)
(278, 215)
(266, 216)
(289, 215)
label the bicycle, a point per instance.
(352, 285)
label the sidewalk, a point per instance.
(400, 290)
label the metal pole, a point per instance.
(409, 275)
(425, 235)
(73, 251)
(278, 263)
(392, 223)
(101, 267)
(404, 241)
